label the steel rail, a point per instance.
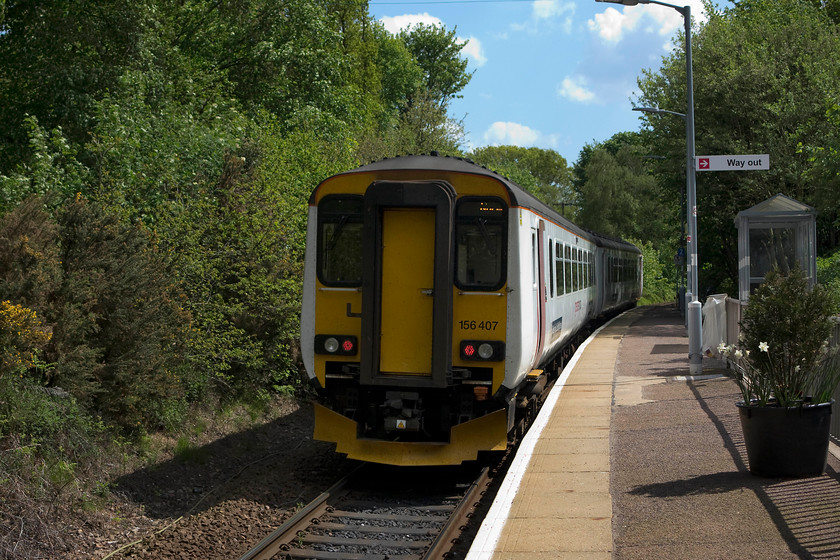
(442, 544)
(274, 542)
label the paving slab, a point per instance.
(639, 460)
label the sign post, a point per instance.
(749, 162)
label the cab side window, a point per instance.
(480, 243)
(340, 226)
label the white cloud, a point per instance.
(612, 24)
(472, 49)
(510, 133)
(396, 24)
(547, 11)
(575, 88)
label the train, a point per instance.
(438, 300)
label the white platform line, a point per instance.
(484, 544)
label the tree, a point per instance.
(610, 204)
(762, 73)
(438, 53)
(402, 76)
(544, 173)
(55, 58)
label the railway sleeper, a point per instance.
(327, 555)
(387, 517)
(322, 539)
(421, 531)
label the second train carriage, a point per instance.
(435, 293)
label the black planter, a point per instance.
(789, 441)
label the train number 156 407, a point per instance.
(478, 325)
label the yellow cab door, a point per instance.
(408, 266)
(407, 284)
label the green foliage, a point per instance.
(108, 298)
(659, 285)
(52, 171)
(58, 58)
(764, 76)
(544, 173)
(239, 247)
(619, 195)
(785, 328)
(824, 160)
(401, 75)
(148, 146)
(30, 270)
(437, 52)
(828, 274)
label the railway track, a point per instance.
(396, 513)
(381, 512)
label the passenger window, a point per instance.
(340, 227)
(481, 236)
(551, 266)
(568, 267)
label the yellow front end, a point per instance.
(488, 433)
(404, 335)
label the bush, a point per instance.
(784, 330)
(107, 294)
(658, 287)
(119, 327)
(828, 274)
(22, 336)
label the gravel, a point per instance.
(236, 490)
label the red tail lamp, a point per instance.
(483, 350)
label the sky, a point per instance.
(554, 74)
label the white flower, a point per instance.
(739, 354)
(796, 369)
(722, 348)
(764, 347)
(747, 353)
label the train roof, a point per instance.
(518, 195)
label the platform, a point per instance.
(631, 458)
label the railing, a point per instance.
(735, 307)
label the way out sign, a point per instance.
(750, 162)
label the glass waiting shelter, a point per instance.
(779, 232)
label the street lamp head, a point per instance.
(658, 111)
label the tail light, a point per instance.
(336, 344)
(482, 350)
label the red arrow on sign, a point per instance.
(703, 163)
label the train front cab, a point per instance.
(408, 339)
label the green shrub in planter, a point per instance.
(783, 356)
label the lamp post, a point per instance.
(695, 319)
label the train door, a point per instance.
(408, 265)
(539, 283)
(407, 273)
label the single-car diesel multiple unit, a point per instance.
(437, 295)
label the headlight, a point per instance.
(331, 344)
(336, 344)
